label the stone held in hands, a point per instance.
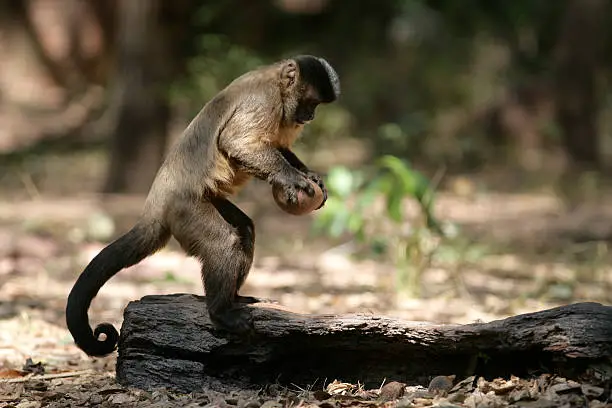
(305, 204)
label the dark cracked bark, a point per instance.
(169, 341)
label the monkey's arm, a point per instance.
(312, 175)
(266, 163)
(293, 160)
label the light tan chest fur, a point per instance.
(286, 136)
(227, 180)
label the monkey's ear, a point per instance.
(288, 73)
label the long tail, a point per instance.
(142, 240)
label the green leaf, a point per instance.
(385, 184)
(355, 222)
(339, 223)
(369, 193)
(422, 189)
(413, 183)
(394, 204)
(379, 245)
(402, 171)
(326, 215)
(340, 181)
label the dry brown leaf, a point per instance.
(441, 384)
(121, 399)
(565, 387)
(591, 391)
(10, 392)
(111, 389)
(423, 401)
(28, 404)
(11, 373)
(339, 388)
(501, 386)
(392, 391)
(321, 395)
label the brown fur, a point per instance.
(245, 131)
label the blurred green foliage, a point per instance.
(368, 206)
(424, 82)
(355, 208)
(418, 76)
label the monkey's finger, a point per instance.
(322, 201)
(292, 196)
(316, 178)
(307, 187)
(321, 185)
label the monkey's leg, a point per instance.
(244, 225)
(221, 237)
(245, 230)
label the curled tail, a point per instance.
(142, 240)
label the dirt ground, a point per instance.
(537, 255)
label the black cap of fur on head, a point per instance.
(320, 73)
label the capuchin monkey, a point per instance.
(245, 131)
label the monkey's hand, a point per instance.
(293, 182)
(317, 179)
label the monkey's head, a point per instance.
(306, 82)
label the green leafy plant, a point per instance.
(370, 206)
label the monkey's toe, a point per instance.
(253, 299)
(236, 320)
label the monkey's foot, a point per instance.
(252, 299)
(236, 320)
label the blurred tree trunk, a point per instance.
(91, 29)
(29, 23)
(578, 60)
(139, 104)
(16, 22)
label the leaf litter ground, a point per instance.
(41, 252)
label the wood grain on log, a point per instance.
(169, 341)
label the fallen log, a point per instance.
(168, 341)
